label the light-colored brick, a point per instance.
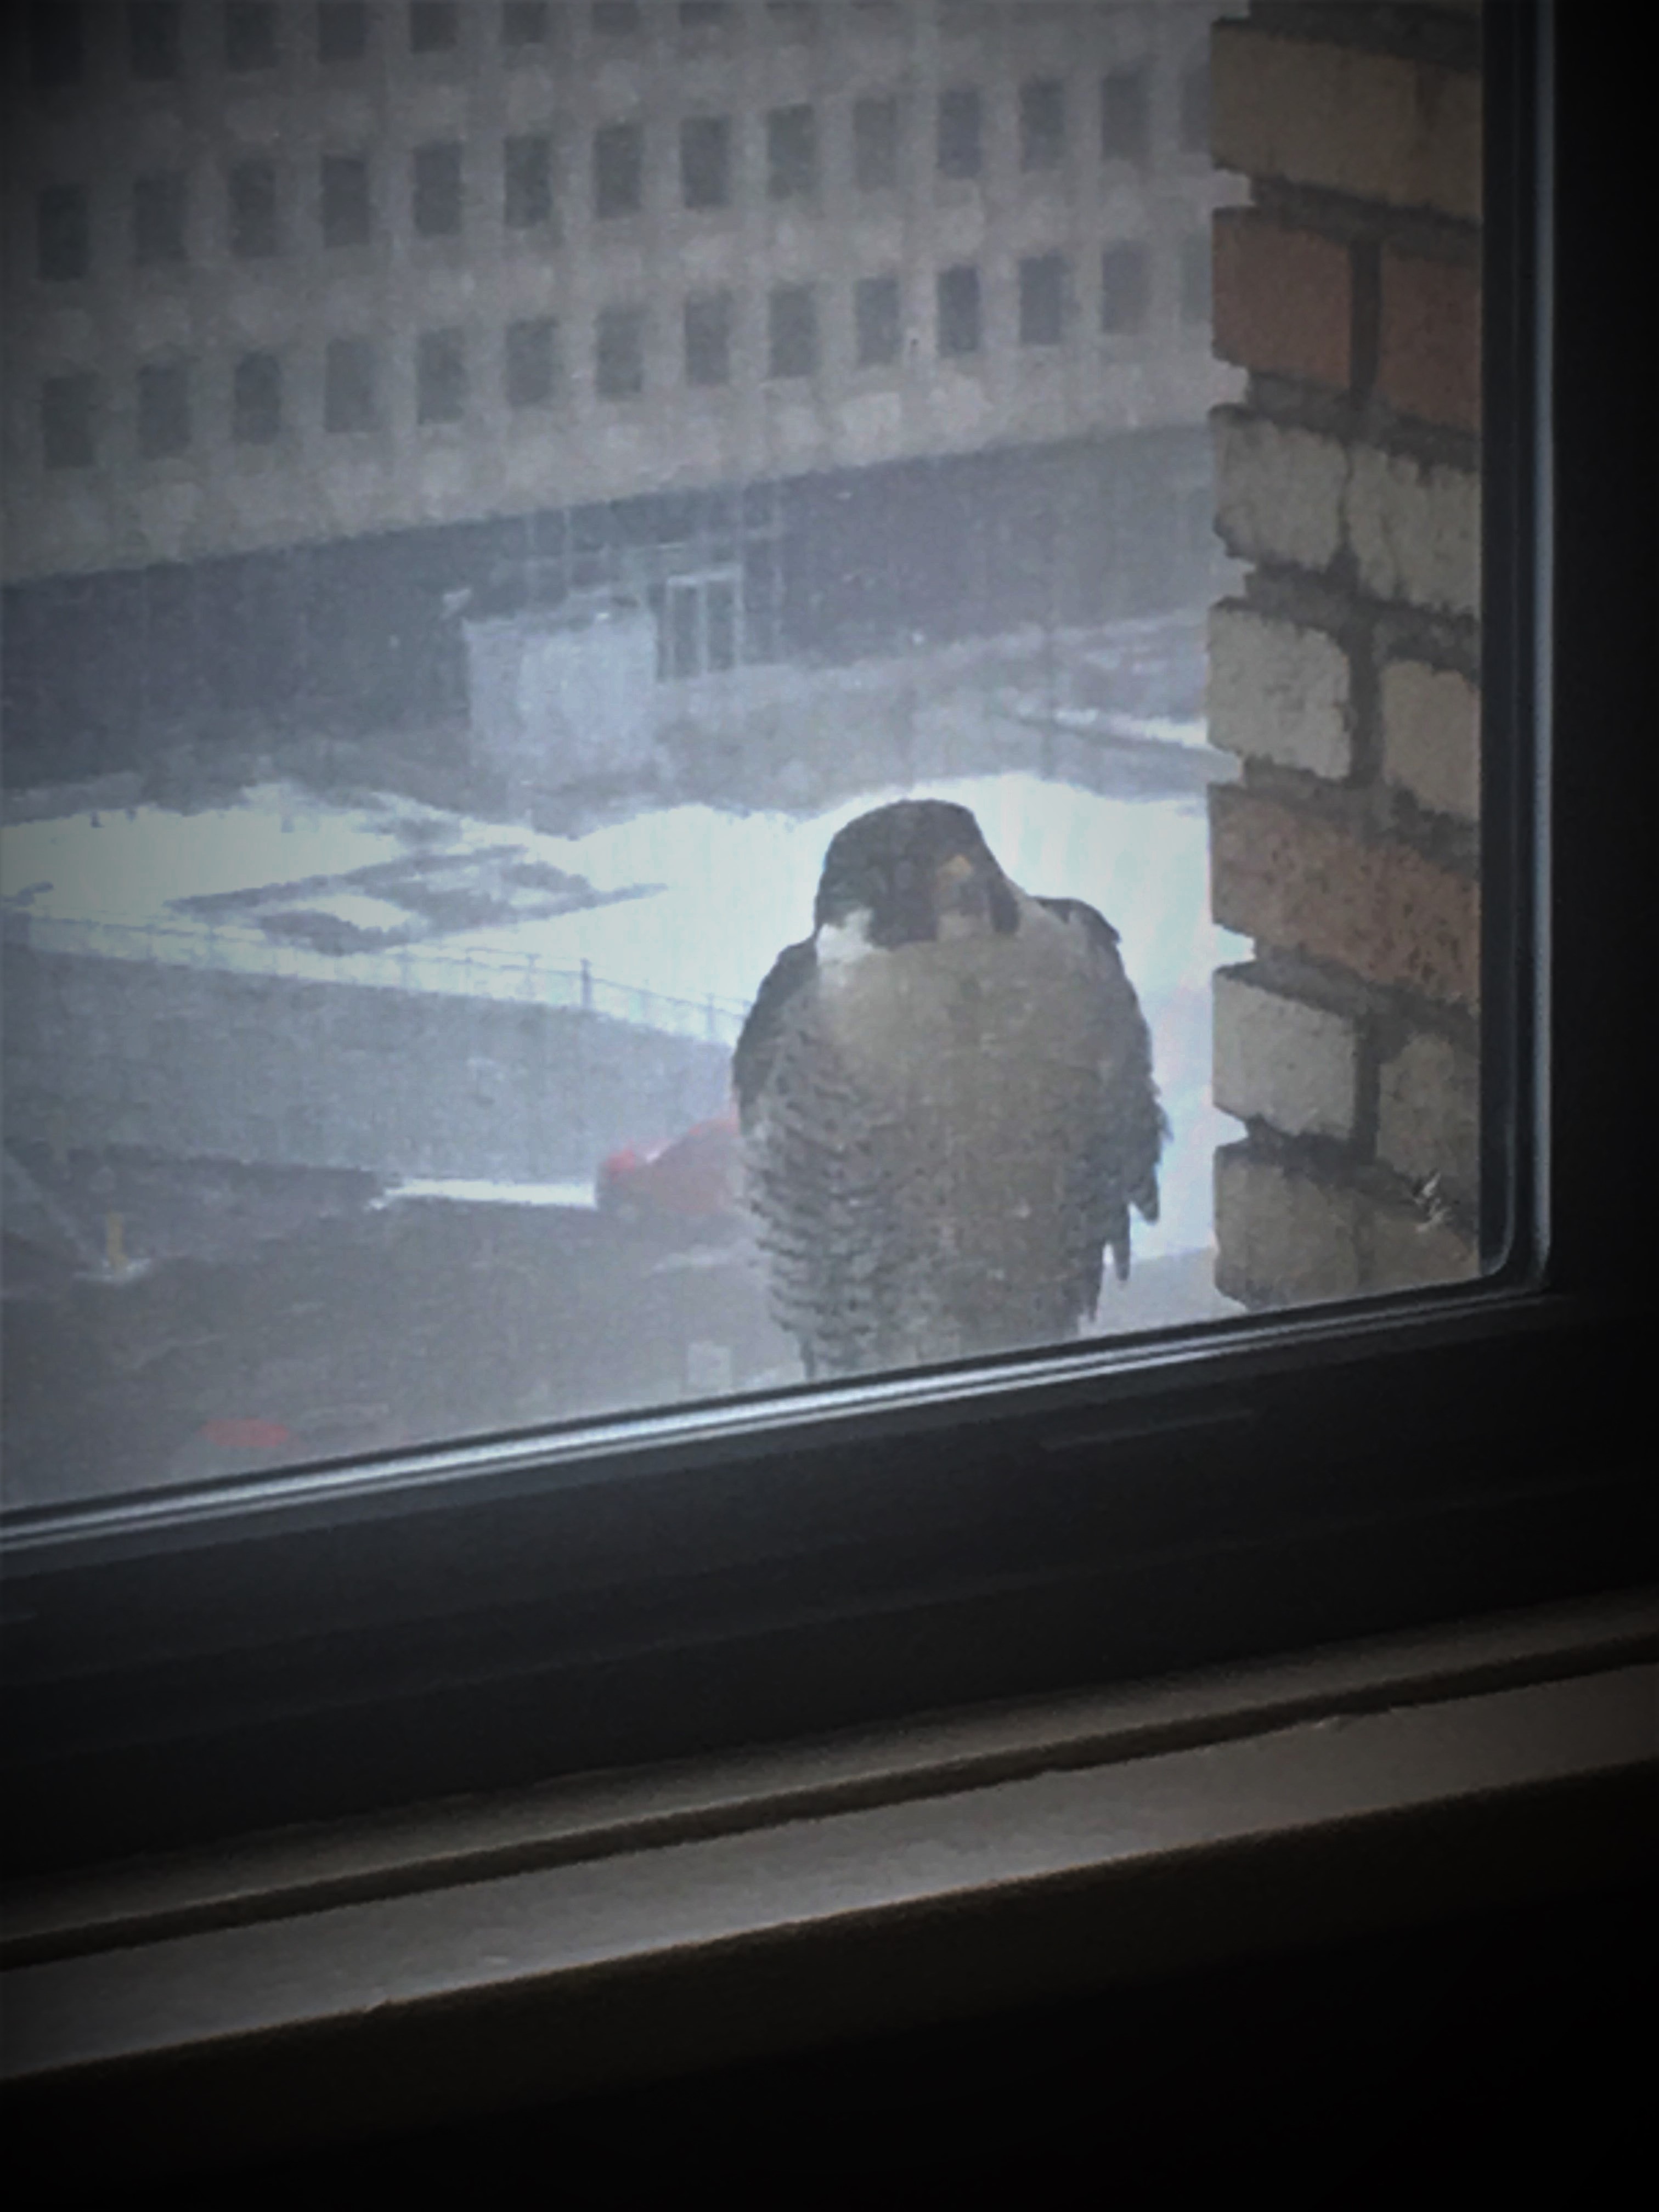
(1284, 299)
(1280, 692)
(1414, 528)
(1283, 1239)
(1376, 126)
(1429, 1116)
(1284, 1061)
(1279, 491)
(1431, 736)
(1404, 1250)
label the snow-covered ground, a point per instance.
(670, 917)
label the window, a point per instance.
(158, 218)
(705, 161)
(441, 377)
(342, 30)
(1123, 288)
(1124, 135)
(348, 401)
(959, 132)
(68, 407)
(875, 143)
(1042, 124)
(699, 629)
(153, 40)
(250, 34)
(63, 233)
(703, 14)
(619, 353)
(437, 195)
(163, 409)
(792, 155)
(876, 313)
(958, 310)
(254, 226)
(524, 23)
(618, 169)
(434, 26)
(1042, 300)
(1195, 278)
(348, 215)
(708, 339)
(617, 20)
(56, 44)
(528, 182)
(792, 328)
(530, 362)
(256, 399)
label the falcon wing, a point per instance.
(756, 1052)
(1120, 1151)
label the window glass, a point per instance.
(435, 710)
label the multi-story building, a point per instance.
(319, 315)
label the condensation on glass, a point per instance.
(491, 492)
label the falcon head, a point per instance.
(910, 874)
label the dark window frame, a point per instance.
(252, 35)
(707, 164)
(530, 362)
(619, 170)
(877, 320)
(708, 323)
(793, 155)
(345, 201)
(505, 1611)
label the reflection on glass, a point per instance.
(437, 680)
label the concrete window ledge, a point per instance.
(309, 1987)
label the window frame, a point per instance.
(193, 1666)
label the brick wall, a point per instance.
(1344, 674)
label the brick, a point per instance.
(1431, 736)
(1282, 1238)
(1379, 126)
(1280, 692)
(1429, 340)
(1284, 299)
(1429, 1115)
(1376, 907)
(1414, 529)
(1279, 491)
(1405, 1249)
(1283, 1060)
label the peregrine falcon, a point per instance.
(947, 1103)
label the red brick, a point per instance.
(1284, 299)
(1375, 907)
(1429, 348)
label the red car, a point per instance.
(692, 1179)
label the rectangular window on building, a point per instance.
(792, 330)
(437, 193)
(619, 353)
(529, 365)
(1123, 288)
(253, 222)
(158, 218)
(524, 23)
(708, 339)
(348, 215)
(1195, 109)
(958, 310)
(163, 409)
(792, 18)
(250, 34)
(618, 169)
(63, 233)
(348, 401)
(615, 19)
(1196, 278)
(792, 153)
(1123, 115)
(875, 144)
(434, 26)
(1042, 298)
(706, 161)
(959, 149)
(440, 377)
(153, 44)
(67, 410)
(876, 317)
(256, 399)
(528, 182)
(57, 53)
(703, 14)
(1041, 123)
(342, 30)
